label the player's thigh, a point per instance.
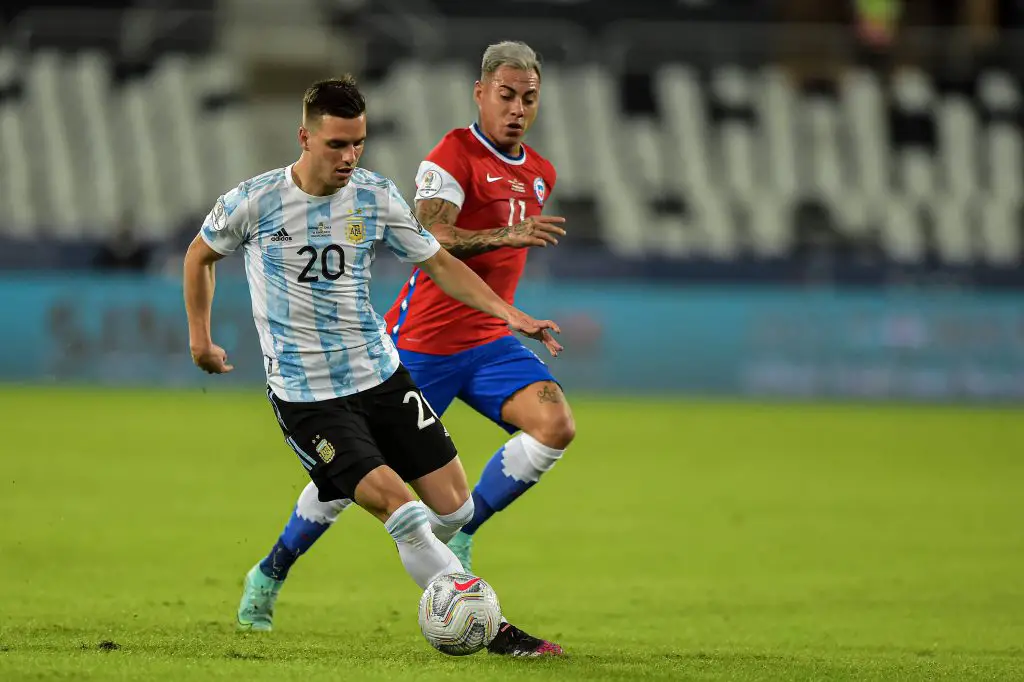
(333, 441)
(514, 388)
(438, 377)
(408, 432)
(444, 490)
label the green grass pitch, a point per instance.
(677, 540)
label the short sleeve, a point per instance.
(403, 234)
(445, 173)
(434, 182)
(227, 226)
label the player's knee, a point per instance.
(557, 431)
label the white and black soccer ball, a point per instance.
(459, 614)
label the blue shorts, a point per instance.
(483, 377)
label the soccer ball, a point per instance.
(459, 614)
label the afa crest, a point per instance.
(325, 450)
(355, 231)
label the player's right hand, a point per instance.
(539, 330)
(539, 230)
(211, 358)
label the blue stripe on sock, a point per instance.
(406, 521)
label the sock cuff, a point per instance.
(460, 516)
(540, 455)
(310, 508)
(407, 518)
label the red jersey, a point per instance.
(491, 190)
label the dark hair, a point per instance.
(333, 97)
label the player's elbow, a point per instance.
(192, 253)
(200, 254)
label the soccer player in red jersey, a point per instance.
(481, 192)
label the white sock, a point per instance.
(527, 459)
(311, 508)
(423, 555)
(445, 527)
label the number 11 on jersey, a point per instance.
(512, 211)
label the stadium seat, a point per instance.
(90, 74)
(902, 237)
(724, 161)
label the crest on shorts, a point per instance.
(540, 189)
(355, 231)
(325, 450)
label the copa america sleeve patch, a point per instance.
(435, 182)
(219, 216)
(430, 185)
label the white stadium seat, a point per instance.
(736, 148)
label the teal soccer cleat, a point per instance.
(462, 547)
(259, 593)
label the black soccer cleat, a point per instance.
(511, 641)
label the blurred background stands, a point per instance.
(743, 140)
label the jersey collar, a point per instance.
(485, 141)
(312, 197)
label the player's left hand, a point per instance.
(539, 330)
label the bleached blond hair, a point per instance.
(513, 53)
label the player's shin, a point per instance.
(423, 555)
(309, 520)
(513, 470)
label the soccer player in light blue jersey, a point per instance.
(348, 409)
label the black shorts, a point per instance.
(339, 441)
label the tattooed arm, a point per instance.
(439, 216)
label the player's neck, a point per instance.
(510, 151)
(303, 178)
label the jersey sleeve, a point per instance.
(444, 174)
(403, 234)
(227, 226)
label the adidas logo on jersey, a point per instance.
(281, 236)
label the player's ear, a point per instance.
(478, 92)
(304, 138)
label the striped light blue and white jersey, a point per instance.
(307, 261)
